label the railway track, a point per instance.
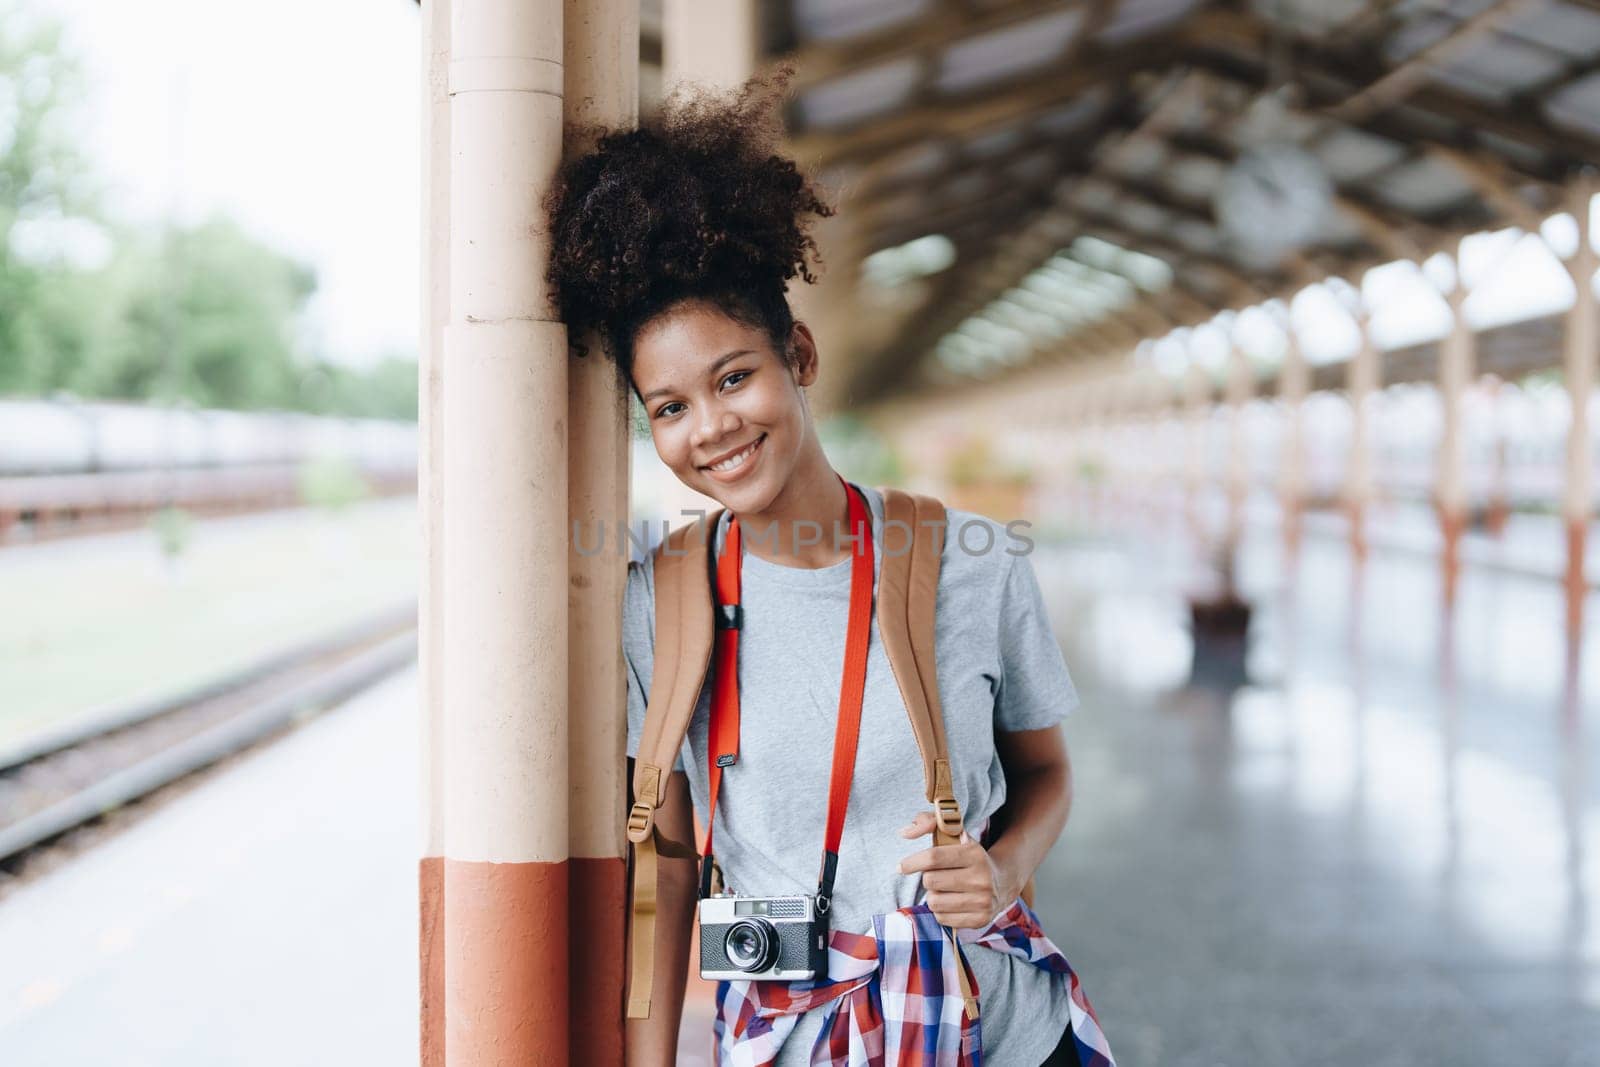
(54, 783)
(51, 507)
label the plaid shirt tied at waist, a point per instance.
(892, 998)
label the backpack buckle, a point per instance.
(640, 820)
(947, 813)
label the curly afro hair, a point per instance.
(694, 204)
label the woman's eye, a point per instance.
(666, 411)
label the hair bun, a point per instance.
(695, 202)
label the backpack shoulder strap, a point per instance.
(683, 640)
(908, 589)
(908, 586)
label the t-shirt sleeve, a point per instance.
(638, 647)
(1035, 690)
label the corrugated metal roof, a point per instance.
(1034, 134)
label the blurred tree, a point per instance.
(385, 389)
(208, 315)
(205, 314)
(43, 183)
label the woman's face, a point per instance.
(713, 389)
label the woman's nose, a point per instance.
(715, 424)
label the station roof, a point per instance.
(1057, 179)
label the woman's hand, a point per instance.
(966, 887)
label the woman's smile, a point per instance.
(736, 466)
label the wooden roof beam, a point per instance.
(1026, 248)
(1153, 195)
(1068, 153)
(1492, 181)
(1383, 228)
(1113, 232)
(1179, 294)
(1231, 45)
(1372, 19)
(1020, 247)
(1378, 232)
(992, 107)
(1399, 82)
(947, 24)
(1096, 15)
(1067, 156)
(1249, 73)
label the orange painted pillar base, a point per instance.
(505, 949)
(1576, 582)
(1498, 516)
(1293, 531)
(1356, 514)
(430, 897)
(597, 892)
(1452, 526)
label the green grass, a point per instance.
(84, 624)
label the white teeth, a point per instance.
(737, 460)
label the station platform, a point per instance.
(266, 915)
(1373, 840)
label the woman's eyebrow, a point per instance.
(716, 365)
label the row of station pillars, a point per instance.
(522, 878)
(1104, 405)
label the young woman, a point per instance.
(675, 243)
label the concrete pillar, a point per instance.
(1582, 344)
(1197, 392)
(1160, 413)
(1457, 368)
(1107, 418)
(708, 42)
(1294, 383)
(1497, 510)
(435, 305)
(601, 48)
(831, 306)
(1362, 378)
(505, 647)
(1090, 459)
(1240, 386)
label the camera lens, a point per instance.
(751, 945)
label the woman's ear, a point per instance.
(804, 346)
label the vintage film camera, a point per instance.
(741, 937)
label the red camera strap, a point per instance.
(723, 740)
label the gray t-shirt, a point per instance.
(1000, 667)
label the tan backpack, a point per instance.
(908, 582)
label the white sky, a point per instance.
(299, 118)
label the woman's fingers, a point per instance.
(956, 909)
(946, 857)
(955, 880)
